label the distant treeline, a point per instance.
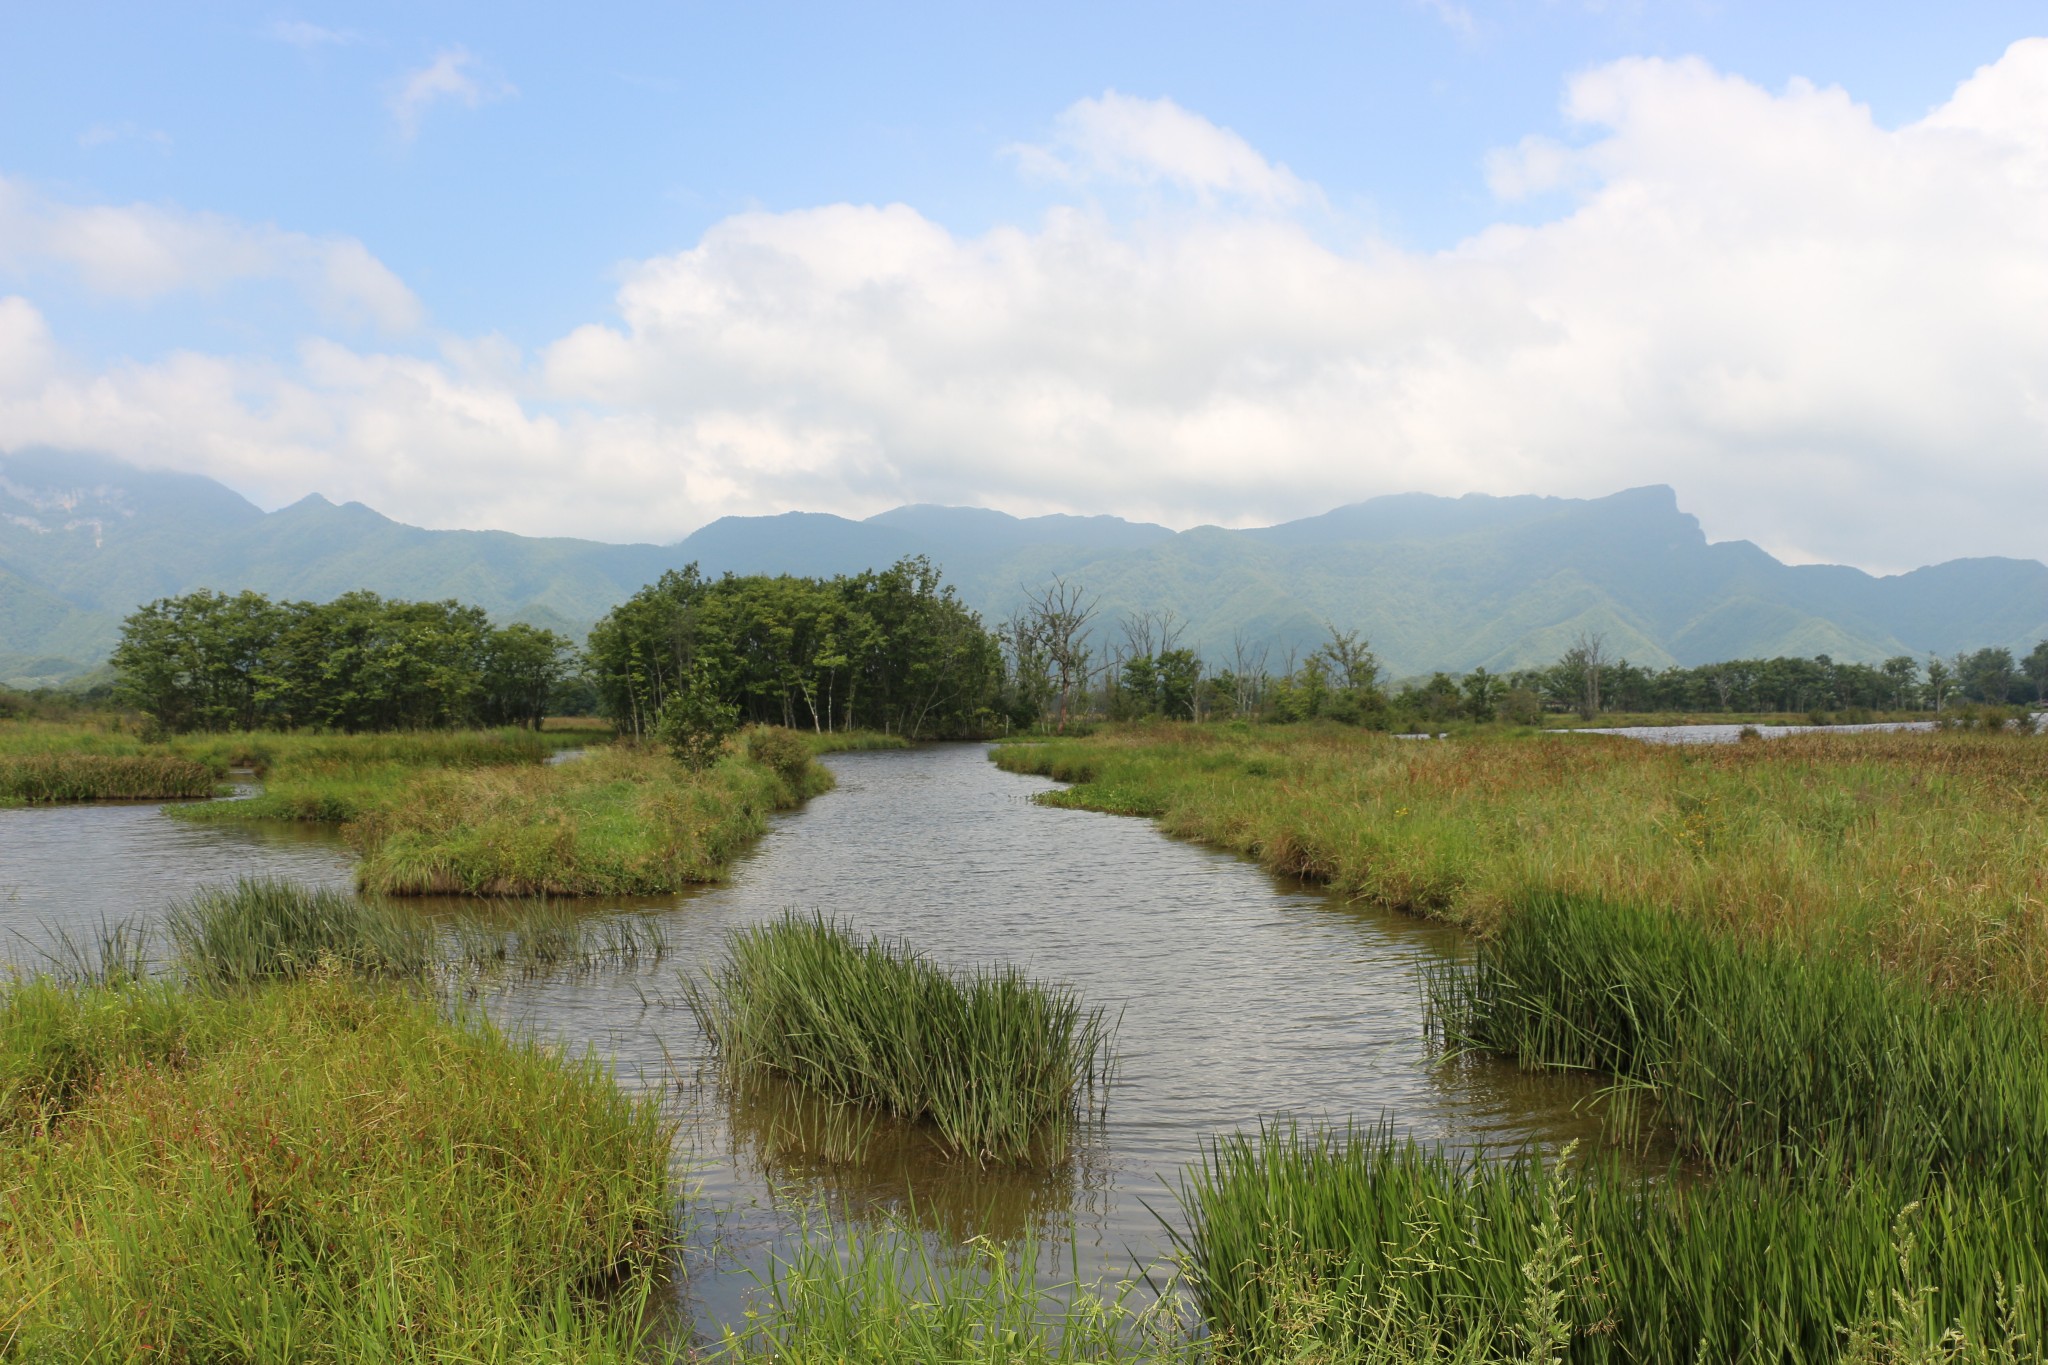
(895, 650)
(210, 661)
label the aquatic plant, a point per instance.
(1000, 1065)
(879, 1296)
(264, 929)
(1370, 1247)
(27, 778)
(1759, 1055)
(542, 937)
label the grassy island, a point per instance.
(289, 1151)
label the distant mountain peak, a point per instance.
(1433, 582)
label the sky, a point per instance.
(618, 271)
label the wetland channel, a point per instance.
(1243, 998)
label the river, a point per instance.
(1242, 997)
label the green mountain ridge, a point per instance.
(1450, 583)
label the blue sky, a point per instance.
(466, 261)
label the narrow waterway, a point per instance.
(1242, 998)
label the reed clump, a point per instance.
(30, 778)
(1754, 1055)
(315, 1170)
(1372, 1247)
(543, 938)
(263, 929)
(1000, 1065)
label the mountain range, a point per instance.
(1432, 582)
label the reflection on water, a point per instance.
(70, 869)
(865, 1169)
(1242, 997)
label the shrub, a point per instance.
(783, 751)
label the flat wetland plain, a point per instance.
(1808, 974)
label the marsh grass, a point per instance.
(879, 1296)
(333, 779)
(262, 929)
(1920, 851)
(31, 778)
(619, 821)
(1369, 1246)
(540, 937)
(1000, 1065)
(314, 1170)
(1756, 1055)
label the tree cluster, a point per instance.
(211, 661)
(891, 650)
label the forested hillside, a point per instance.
(1434, 583)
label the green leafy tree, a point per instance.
(1483, 692)
(694, 722)
(201, 661)
(523, 666)
(2035, 666)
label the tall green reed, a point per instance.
(880, 1296)
(1000, 1065)
(264, 929)
(1757, 1055)
(1377, 1247)
(32, 778)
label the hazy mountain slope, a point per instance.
(1449, 583)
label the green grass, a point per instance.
(620, 821)
(1370, 1247)
(316, 1170)
(880, 1297)
(333, 779)
(851, 741)
(262, 930)
(1757, 1056)
(999, 1065)
(27, 778)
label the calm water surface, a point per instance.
(1242, 997)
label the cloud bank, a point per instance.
(1828, 334)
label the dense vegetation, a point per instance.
(208, 661)
(890, 650)
(620, 821)
(1814, 965)
(277, 1159)
(998, 1064)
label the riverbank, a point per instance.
(1815, 965)
(1915, 850)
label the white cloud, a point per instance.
(140, 252)
(102, 134)
(1828, 334)
(1454, 17)
(1125, 139)
(301, 34)
(453, 75)
(26, 351)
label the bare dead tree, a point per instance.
(1059, 615)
